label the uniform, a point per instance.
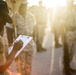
(55, 21)
(69, 22)
(41, 19)
(25, 27)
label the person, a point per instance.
(6, 60)
(55, 26)
(41, 21)
(68, 30)
(25, 23)
(26, 55)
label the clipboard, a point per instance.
(25, 39)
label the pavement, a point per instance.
(48, 62)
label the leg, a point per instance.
(56, 38)
(68, 52)
(41, 36)
(66, 59)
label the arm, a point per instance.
(11, 56)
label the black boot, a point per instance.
(40, 48)
(57, 45)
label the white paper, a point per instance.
(25, 40)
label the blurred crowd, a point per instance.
(32, 21)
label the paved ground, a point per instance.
(48, 62)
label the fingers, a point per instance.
(20, 42)
(18, 45)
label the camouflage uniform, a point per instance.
(25, 27)
(55, 25)
(69, 39)
(69, 22)
(41, 19)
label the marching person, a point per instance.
(68, 28)
(41, 21)
(55, 26)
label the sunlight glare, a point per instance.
(54, 3)
(33, 2)
(48, 3)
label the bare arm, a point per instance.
(11, 56)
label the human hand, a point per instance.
(17, 45)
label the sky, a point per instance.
(48, 3)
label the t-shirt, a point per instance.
(2, 52)
(3, 55)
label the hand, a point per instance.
(18, 45)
